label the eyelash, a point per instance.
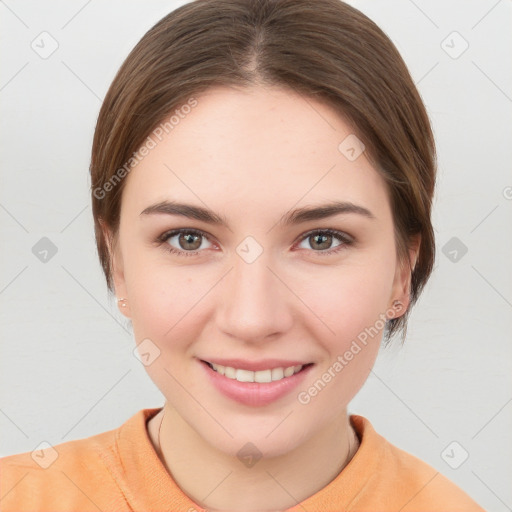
(345, 240)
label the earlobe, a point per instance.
(396, 310)
(401, 296)
(122, 304)
(116, 269)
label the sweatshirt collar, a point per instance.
(147, 485)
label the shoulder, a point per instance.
(427, 486)
(74, 475)
(413, 485)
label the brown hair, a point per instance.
(324, 49)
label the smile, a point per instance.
(255, 384)
(261, 376)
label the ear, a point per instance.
(117, 269)
(401, 294)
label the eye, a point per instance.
(185, 242)
(321, 241)
(190, 242)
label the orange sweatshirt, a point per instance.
(119, 471)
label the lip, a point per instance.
(255, 394)
(254, 366)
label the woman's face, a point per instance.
(254, 282)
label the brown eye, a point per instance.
(321, 241)
(185, 242)
(189, 241)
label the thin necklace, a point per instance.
(158, 438)
(354, 437)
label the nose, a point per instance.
(254, 305)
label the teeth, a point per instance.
(277, 373)
(261, 376)
(288, 372)
(244, 376)
(218, 368)
(229, 372)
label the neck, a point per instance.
(215, 480)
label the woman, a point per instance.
(262, 178)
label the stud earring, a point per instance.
(394, 309)
(123, 302)
(397, 305)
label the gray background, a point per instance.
(67, 368)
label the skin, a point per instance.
(251, 155)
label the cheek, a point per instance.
(167, 309)
(348, 300)
(336, 383)
(352, 314)
(164, 297)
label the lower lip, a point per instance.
(255, 394)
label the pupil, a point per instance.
(190, 239)
(319, 239)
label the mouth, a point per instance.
(255, 383)
(263, 376)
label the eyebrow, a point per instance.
(292, 217)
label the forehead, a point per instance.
(255, 147)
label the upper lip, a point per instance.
(263, 364)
